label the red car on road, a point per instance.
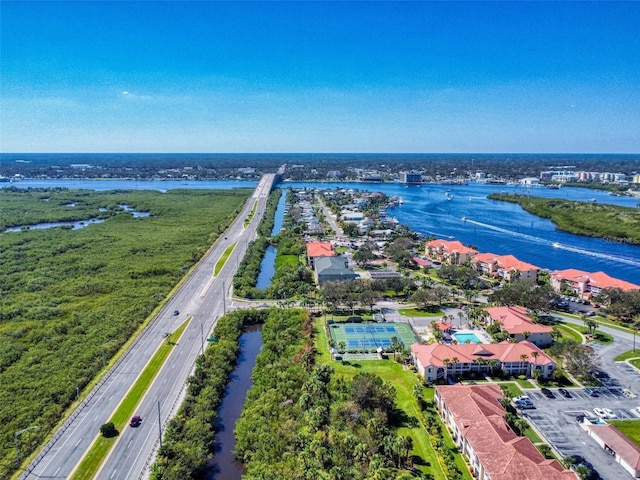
(135, 421)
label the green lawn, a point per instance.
(403, 381)
(101, 446)
(630, 428)
(420, 312)
(570, 333)
(628, 354)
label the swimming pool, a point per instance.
(466, 338)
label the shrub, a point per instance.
(109, 430)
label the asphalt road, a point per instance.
(202, 297)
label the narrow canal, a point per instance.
(268, 264)
(224, 465)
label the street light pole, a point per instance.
(77, 392)
(16, 439)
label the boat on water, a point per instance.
(464, 219)
(555, 245)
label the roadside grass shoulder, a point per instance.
(99, 450)
(223, 259)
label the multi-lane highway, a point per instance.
(202, 297)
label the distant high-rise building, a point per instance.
(411, 178)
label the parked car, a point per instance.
(591, 392)
(564, 392)
(136, 420)
(609, 413)
(547, 393)
(600, 413)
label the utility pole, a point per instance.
(16, 439)
(224, 301)
(201, 338)
(159, 425)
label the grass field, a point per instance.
(404, 382)
(630, 428)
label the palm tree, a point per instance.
(455, 361)
(524, 358)
(446, 363)
(535, 356)
(492, 365)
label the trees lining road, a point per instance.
(201, 297)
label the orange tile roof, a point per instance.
(515, 320)
(602, 280)
(505, 352)
(503, 455)
(450, 246)
(508, 262)
(597, 279)
(619, 443)
(318, 249)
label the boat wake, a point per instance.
(560, 246)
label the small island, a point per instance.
(613, 223)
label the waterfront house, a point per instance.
(475, 417)
(452, 252)
(584, 284)
(505, 267)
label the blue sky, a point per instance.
(320, 77)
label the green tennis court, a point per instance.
(370, 336)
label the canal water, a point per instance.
(268, 264)
(224, 465)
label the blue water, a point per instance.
(267, 268)
(466, 337)
(278, 219)
(505, 228)
(491, 226)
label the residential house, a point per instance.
(449, 251)
(329, 269)
(436, 361)
(316, 250)
(519, 326)
(584, 284)
(506, 267)
(475, 417)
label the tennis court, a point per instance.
(357, 336)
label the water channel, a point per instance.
(268, 264)
(225, 465)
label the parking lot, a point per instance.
(555, 419)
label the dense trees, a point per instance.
(612, 222)
(71, 298)
(303, 422)
(620, 304)
(525, 293)
(188, 441)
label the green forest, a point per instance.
(611, 222)
(70, 299)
